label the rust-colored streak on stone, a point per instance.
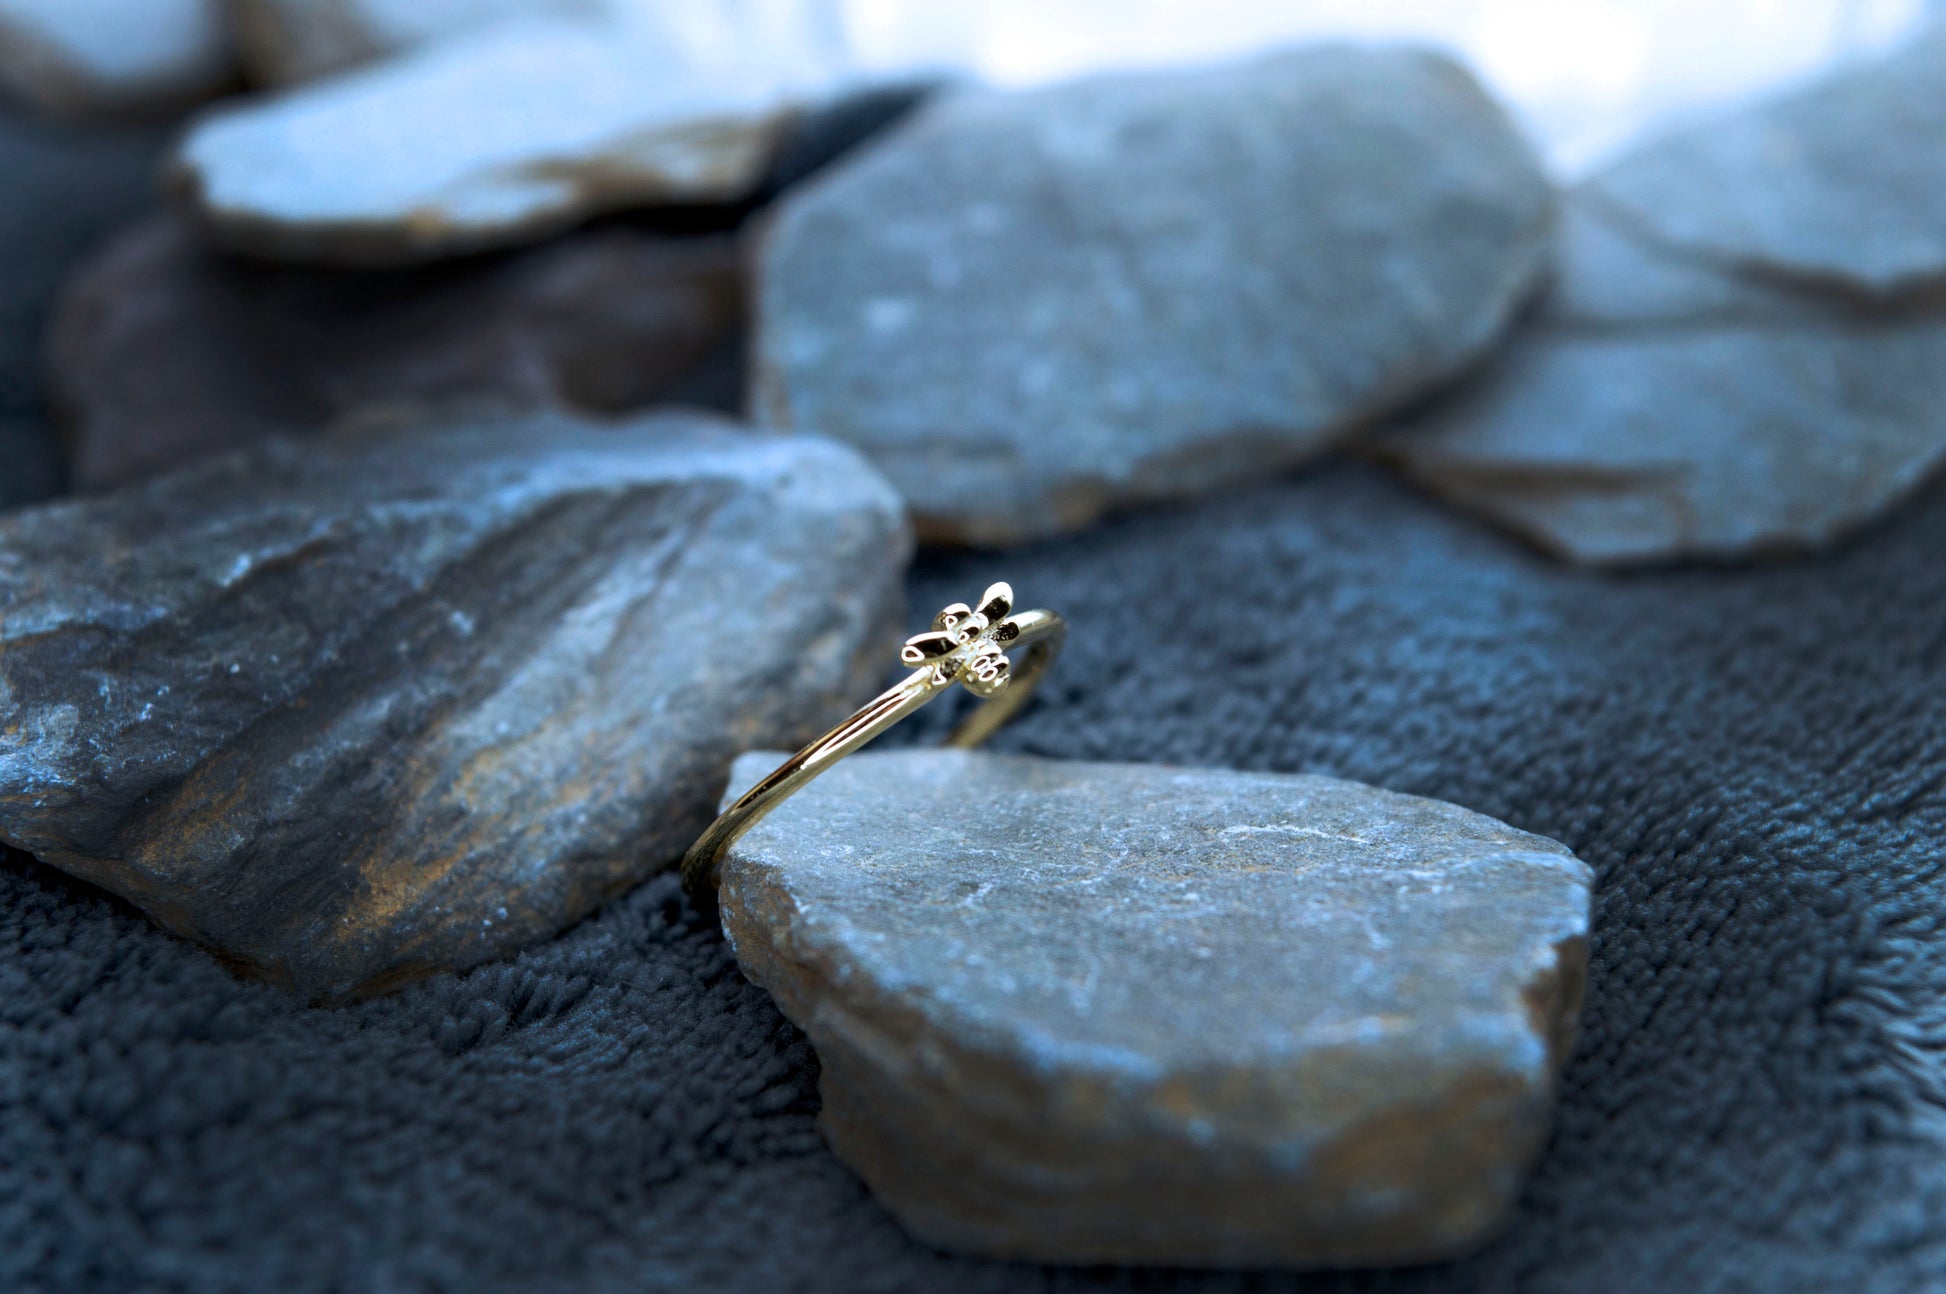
(1463, 1157)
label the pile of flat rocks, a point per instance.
(1744, 352)
(1030, 308)
(523, 412)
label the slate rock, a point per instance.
(1078, 1012)
(282, 41)
(1840, 183)
(356, 708)
(1029, 307)
(298, 40)
(94, 57)
(491, 140)
(1607, 279)
(65, 188)
(1657, 409)
(833, 127)
(162, 352)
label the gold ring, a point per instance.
(965, 646)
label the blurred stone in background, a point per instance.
(1029, 308)
(163, 351)
(298, 40)
(1840, 186)
(1119, 1013)
(61, 190)
(103, 57)
(489, 140)
(1745, 353)
(407, 698)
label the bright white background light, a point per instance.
(1586, 75)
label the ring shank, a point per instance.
(1041, 634)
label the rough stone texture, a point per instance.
(1841, 183)
(483, 141)
(1083, 1012)
(162, 352)
(1750, 759)
(63, 190)
(1023, 306)
(1656, 409)
(90, 57)
(299, 40)
(393, 701)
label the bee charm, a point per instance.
(969, 645)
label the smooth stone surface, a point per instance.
(1842, 182)
(1028, 308)
(484, 141)
(1076, 1012)
(64, 189)
(88, 57)
(1657, 410)
(282, 41)
(162, 352)
(366, 706)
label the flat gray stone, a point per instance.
(356, 708)
(162, 352)
(1657, 410)
(1030, 307)
(282, 41)
(484, 141)
(1075, 1012)
(1607, 280)
(1842, 182)
(100, 57)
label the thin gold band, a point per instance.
(965, 647)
